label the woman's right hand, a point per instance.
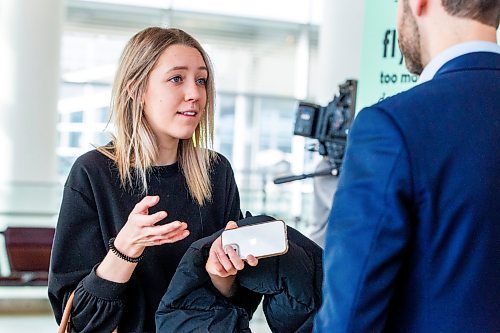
(141, 230)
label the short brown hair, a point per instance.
(484, 11)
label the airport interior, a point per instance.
(271, 57)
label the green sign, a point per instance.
(383, 72)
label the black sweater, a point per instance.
(94, 208)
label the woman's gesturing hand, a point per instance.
(141, 229)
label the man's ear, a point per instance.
(420, 6)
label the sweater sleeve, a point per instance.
(78, 248)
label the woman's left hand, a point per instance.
(223, 267)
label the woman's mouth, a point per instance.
(187, 113)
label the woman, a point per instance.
(131, 209)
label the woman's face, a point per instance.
(176, 94)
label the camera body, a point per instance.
(329, 124)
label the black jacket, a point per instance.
(290, 285)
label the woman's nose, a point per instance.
(192, 92)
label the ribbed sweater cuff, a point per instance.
(102, 288)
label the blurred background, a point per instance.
(57, 63)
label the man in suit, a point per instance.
(413, 241)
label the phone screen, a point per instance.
(260, 240)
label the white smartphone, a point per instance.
(261, 240)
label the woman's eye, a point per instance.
(201, 82)
(175, 79)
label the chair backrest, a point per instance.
(28, 249)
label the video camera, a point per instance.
(329, 125)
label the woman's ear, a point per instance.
(130, 84)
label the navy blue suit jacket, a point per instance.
(413, 241)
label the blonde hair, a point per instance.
(134, 146)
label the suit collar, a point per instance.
(444, 58)
(471, 61)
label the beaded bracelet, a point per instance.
(111, 244)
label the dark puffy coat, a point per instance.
(290, 285)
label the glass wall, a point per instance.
(262, 67)
(265, 61)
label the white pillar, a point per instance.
(240, 141)
(340, 41)
(340, 47)
(30, 34)
(30, 38)
(302, 64)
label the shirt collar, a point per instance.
(453, 52)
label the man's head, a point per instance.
(484, 11)
(418, 35)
